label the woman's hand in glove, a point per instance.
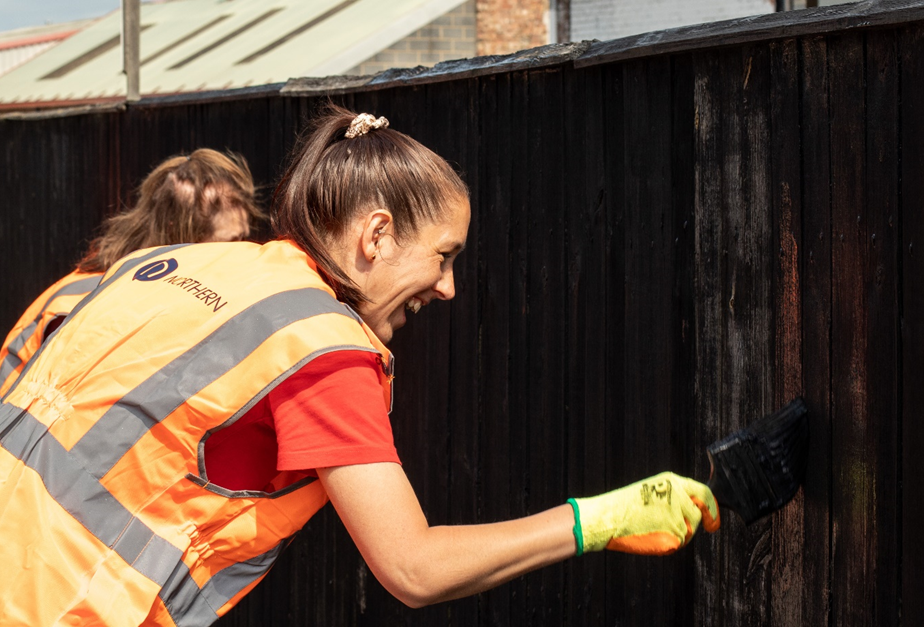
(655, 516)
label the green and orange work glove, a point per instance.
(655, 516)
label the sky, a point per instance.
(21, 13)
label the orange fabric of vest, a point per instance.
(27, 334)
(107, 512)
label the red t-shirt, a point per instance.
(329, 413)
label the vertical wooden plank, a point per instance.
(912, 313)
(733, 268)
(499, 154)
(458, 141)
(709, 607)
(854, 454)
(788, 548)
(114, 129)
(586, 109)
(750, 307)
(650, 445)
(881, 284)
(521, 418)
(685, 456)
(548, 336)
(614, 299)
(816, 334)
(13, 227)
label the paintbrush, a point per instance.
(757, 470)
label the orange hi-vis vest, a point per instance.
(107, 515)
(29, 332)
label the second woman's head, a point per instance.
(206, 196)
(382, 215)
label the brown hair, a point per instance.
(176, 203)
(330, 180)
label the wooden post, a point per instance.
(562, 21)
(131, 46)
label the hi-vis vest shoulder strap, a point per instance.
(108, 513)
(27, 334)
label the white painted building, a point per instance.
(611, 19)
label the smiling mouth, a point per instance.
(414, 304)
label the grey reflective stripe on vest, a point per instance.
(27, 439)
(68, 483)
(11, 361)
(9, 365)
(191, 607)
(159, 395)
(125, 267)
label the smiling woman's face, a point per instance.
(407, 275)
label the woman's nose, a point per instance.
(445, 288)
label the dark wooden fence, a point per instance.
(672, 235)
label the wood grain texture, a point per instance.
(853, 493)
(816, 332)
(788, 541)
(734, 333)
(881, 280)
(911, 298)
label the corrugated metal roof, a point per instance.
(196, 45)
(14, 56)
(19, 45)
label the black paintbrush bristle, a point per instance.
(757, 470)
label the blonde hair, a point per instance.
(176, 203)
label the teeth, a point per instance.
(414, 305)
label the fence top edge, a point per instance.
(783, 25)
(218, 95)
(120, 104)
(308, 85)
(456, 69)
(62, 112)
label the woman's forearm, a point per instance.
(421, 565)
(458, 561)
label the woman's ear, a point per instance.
(377, 225)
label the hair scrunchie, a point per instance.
(363, 123)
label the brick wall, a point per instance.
(506, 26)
(611, 19)
(451, 36)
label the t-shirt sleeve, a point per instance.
(332, 413)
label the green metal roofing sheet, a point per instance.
(196, 45)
